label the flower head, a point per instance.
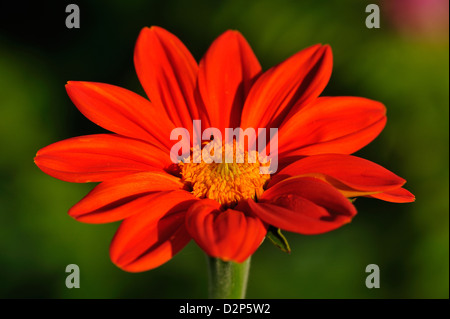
(226, 207)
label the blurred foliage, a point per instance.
(410, 242)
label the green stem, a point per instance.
(227, 279)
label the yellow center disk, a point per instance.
(227, 182)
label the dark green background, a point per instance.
(406, 69)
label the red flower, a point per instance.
(225, 208)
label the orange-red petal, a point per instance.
(303, 205)
(287, 87)
(168, 73)
(121, 111)
(154, 234)
(331, 125)
(100, 157)
(100, 205)
(399, 195)
(229, 235)
(351, 175)
(226, 73)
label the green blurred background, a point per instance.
(404, 64)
